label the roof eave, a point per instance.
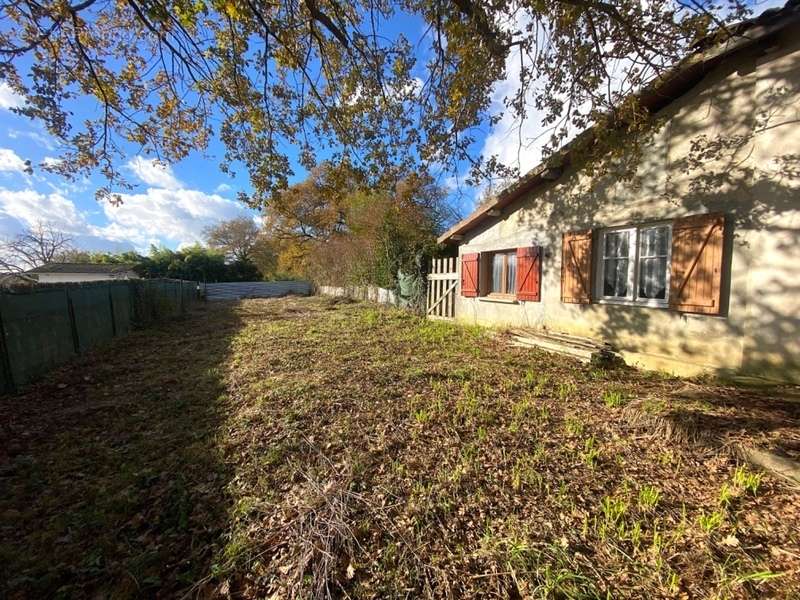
(669, 87)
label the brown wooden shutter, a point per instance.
(529, 268)
(469, 275)
(576, 267)
(696, 266)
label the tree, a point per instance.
(34, 247)
(235, 238)
(243, 245)
(326, 75)
(337, 230)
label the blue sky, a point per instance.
(172, 204)
(169, 205)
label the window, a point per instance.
(617, 263)
(634, 266)
(504, 272)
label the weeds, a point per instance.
(524, 474)
(746, 480)
(710, 522)
(591, 453)
(613, 510)
(613, 398)
(649, 497)
(422, 416)
(565, 390)
(726, 495)
(370, 317)
(573, 426)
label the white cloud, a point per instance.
(158, 216)
(44, 140)
(222, 188)
(165, 213)
(51, 161)
(30, 207)
(153, 172)
(177, 216)
(8, 97)
(10, 161)
(516, 143)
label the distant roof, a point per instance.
(82, 268)
(682, 77)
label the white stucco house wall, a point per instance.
(692, 265)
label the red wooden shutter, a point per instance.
(529, 268)
(469, 275)
(696, 265)
(576, 267)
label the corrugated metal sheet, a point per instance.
(256, 289)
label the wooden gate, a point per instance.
(442, 284)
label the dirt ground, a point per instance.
(308, 447)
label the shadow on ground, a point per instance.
(765, 416)
(112, 477)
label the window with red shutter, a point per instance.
(529, 269)
(469, 275)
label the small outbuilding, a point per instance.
(77, 272)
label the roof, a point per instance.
(670, 86)
(82, 268)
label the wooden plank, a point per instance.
(440, 283)
(441, 297)
(438, 295)
(447, 300)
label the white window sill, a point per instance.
(640, 303)
(499, 299)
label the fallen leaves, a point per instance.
(296, 447)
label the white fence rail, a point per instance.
(256, 289)
(442, 284)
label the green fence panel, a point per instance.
(177, 299)
(123, 306)
(165, 299)
(92, 310)
(144, 305)
(46, 326)
(38, 332)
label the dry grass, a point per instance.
(312, 448)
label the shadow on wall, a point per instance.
(114, 480)
(731, 145)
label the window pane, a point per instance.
(615, 277)
(654, 241)
(616, 244)
(497, 273)
(653, 278)
(511, 274)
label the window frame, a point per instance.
(634, 257)
(507, 294)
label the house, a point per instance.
(77, 272)
(692, 265)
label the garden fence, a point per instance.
(44, 326)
